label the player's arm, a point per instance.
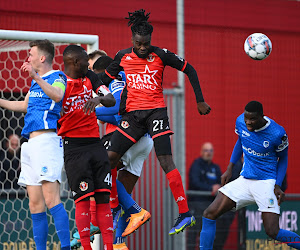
(17, 106)
(282, 164)
(108, 118)
(179, 63)
(55, 92)
(235, 156)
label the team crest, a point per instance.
(124, 124)
(150, 58)
(83, 186)
(266, 144)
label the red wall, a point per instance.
(214, 37)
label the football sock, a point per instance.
(40, 230)
(122, 224)
(290, 238)
(176, 186)
(82, 218)
(61, 221)
(207, 234)
(93, 212)
(105, 222)
(126, 200)
(114, 201)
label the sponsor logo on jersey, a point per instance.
(77, 102)
(266, 144)
(142, 80)
(125, 124)
(83, 186)
(245, 133)
(180, 198)
(36, 94)
(150, 58)
(284, 142)
(253, 152)
(128, 58)
(117, 84)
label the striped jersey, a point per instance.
(42, 111)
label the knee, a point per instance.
(36, 206)
(271, 231)
(52, 201)
(209, 213)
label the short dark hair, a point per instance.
(72, 50)
(254, 107)
(102, 63)
(139, 23)
(95, 53)
(45, 46)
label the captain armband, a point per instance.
(103, 90)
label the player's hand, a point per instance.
(226, 176)
(203, 108)
(280, 195)
(90, 105)
(215, 189)
(26, 67)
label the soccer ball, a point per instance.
(258, 46)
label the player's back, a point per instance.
(260, 148)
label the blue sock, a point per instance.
(40, 230)
(126, 201)
(289, 238)
(61, 221)
(122, 224)
(207, 235)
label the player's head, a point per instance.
(101, 64)
(141, 32)
(93, 56)
(41, 52)
(75, 61)
(207, 152)
(254, 115)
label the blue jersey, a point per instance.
(42, 111)
(110, 114)
(261, 148)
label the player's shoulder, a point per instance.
(124, 52)
(56, 75)
(240, 119)
(276, 129)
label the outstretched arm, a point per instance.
(18, 106)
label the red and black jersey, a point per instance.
(73, 122)
(144, 77)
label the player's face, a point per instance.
(141, 45)
(82, 64)
(253, 120)
(34, 58)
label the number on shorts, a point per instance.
(108, 179)
(158, 124)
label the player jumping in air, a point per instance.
(143, 107)
(264, 144)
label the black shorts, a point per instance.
(87, 167)
(137, 123)
(106, 140)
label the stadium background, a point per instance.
(215, 32)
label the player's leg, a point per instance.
(271, 225)
(38, 215)
(50, 160)
(51, 193)
(104, 218)
(219, 206)
(162, 146)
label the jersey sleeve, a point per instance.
(237, 127)
(113, 69)
(171, 59)
(282, 141)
